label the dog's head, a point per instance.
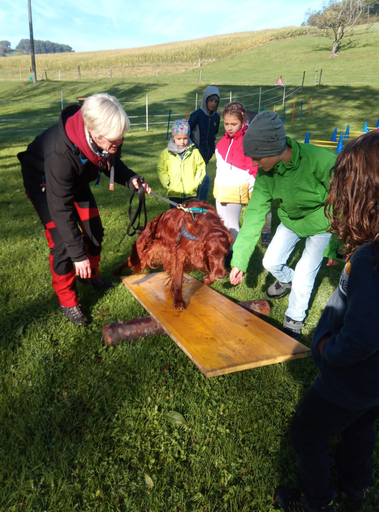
(217, 244)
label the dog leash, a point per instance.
(135, 225)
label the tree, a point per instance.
(42, 47)
(5, 47)
(336, 18)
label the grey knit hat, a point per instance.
(265, 136)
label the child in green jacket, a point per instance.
(181, 168)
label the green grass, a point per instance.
(86, 428)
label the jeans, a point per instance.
(316, 421)
(202, 191)
(304, 275)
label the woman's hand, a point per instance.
(83, 269)
(235, 276)
(145, 186)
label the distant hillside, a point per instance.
(251, 58)
(179, 56)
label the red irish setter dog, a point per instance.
(182, 241)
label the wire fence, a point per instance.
(37, 115)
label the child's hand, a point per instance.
(332, 263)
(235, 276)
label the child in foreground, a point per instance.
(235, 172)
(181, 168)
(344, 399)
(204, 124)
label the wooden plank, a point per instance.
(216, 334)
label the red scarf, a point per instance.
(75, 132)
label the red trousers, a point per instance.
(61, 265)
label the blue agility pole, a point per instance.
(284, 114)
(306, 141)
(377, 124)
(301, 110)
(168, 123)
(347, 132)
(334, 136)
(339, 145)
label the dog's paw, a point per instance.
(179, 304)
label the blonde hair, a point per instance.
(104, 116)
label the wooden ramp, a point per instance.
(216, 334)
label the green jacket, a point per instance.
(181, 178)
(301, 186)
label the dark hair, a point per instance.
(234, 108)
(353, 202)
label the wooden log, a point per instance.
(260, 306)
(139, 328)
(131, 330)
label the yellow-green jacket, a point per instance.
(181, 177)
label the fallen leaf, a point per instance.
(149, 482)
(175, 418)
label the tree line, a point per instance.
(39, 47)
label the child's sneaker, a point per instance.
(291, 500)
(278, 290)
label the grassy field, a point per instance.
(88, 428)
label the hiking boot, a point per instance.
(291, 500)
(278, 289)
(97, 283)
(265, 240)
(292, 327)
(75, 315)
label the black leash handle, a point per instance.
(135, 225)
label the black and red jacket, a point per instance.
(52, 158)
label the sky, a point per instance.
(93, 25)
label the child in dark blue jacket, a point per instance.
(204, 124)
(344, 399)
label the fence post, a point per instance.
(168, 123)
(302, 83)
(319, 80)
(230, 97)
(147, 112)
(61, 100)
(186, 114)
(310, 108)
(195, 102)
(259, 100)
(59, 75)
(79, 72)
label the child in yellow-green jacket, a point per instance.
(181, 168)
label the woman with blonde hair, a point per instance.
(57, 168)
